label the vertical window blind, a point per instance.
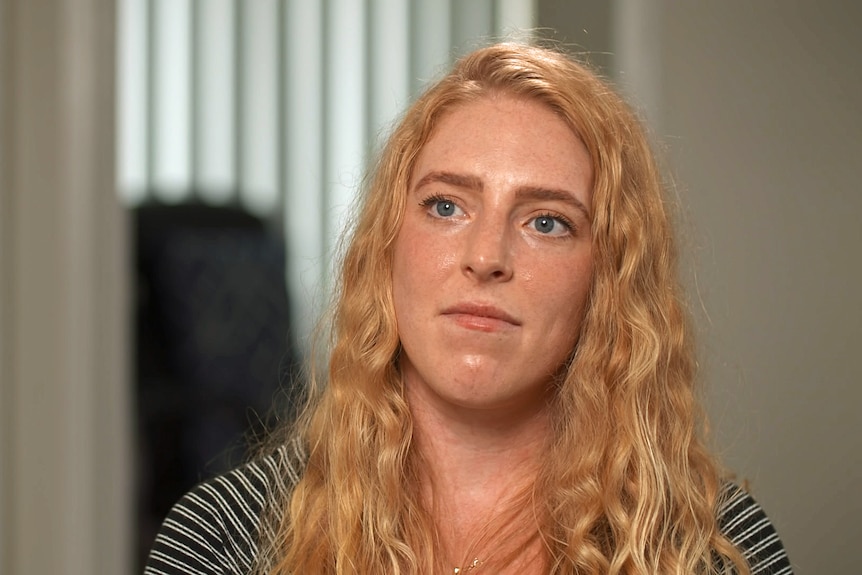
(276, 105)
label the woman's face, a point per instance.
(492, 265)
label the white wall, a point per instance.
(65, 424)
(758, 106)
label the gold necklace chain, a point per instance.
(469, 567)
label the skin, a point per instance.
(491, 274)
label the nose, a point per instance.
(487, 254)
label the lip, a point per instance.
(481, 317)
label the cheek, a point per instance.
(420, 261)
(563, 288)
(411, 273)
(400, 270)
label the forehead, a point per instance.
(497, 136)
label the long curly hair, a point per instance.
(628, 486)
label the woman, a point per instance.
(510, 382)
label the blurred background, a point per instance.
(174, 176)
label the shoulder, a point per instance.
(745, 523)
(215, 527)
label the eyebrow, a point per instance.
(457, 180)
(523, 193)
(554, 195)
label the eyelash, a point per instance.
(435, 199)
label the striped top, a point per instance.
(215, 528)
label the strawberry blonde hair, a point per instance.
(628, 485)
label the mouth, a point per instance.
(480, 317)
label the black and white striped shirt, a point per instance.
(214, 529)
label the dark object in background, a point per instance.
(212, 346)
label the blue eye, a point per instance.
(552, 225)
(445, 208)
(544, 224)
(441, 207)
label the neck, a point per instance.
(479, 468)
(464, 447)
